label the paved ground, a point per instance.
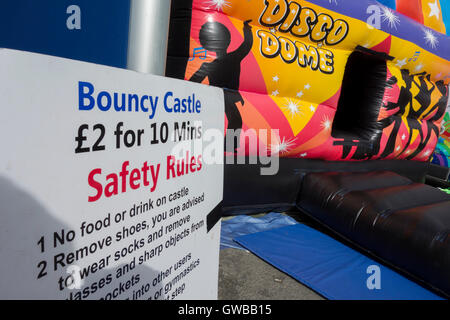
(244, 276)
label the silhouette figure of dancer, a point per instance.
(424, 95)
(225, 70)
(405, 98)
(439, 107)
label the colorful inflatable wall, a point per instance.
(434, 14)
(441, 155)
(338, 79)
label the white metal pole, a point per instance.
(148, 36)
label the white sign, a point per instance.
(94, 201)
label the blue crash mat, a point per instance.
(241, 225)
(329, 267)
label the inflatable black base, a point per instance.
(383, 207)
(246, 191)
(404, 223)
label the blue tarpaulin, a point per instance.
(242, 225)
(329, 267)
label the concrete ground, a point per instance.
(245, 276)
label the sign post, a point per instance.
(102, 195)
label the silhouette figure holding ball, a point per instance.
(225, 70)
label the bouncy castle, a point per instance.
(352, 97)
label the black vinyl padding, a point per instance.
(404, 223)
(247, 191)
(439, 172)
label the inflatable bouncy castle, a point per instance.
(351, 96)
(340, 81)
